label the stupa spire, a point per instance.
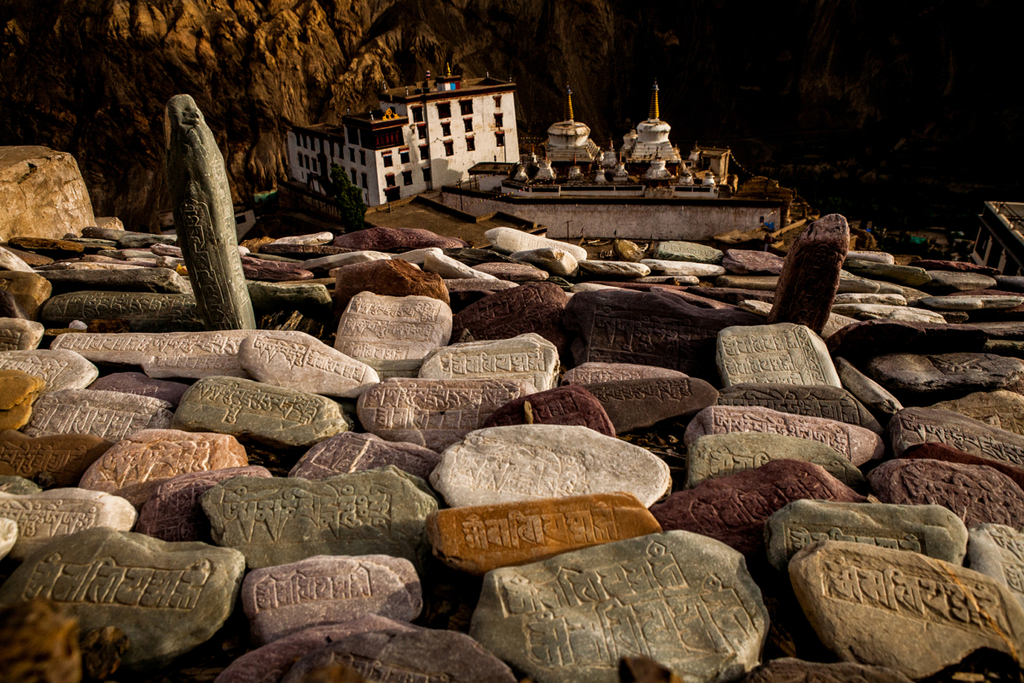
(655, 109)
(568, 103)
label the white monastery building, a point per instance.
(428, 134)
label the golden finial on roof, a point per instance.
(448, 70)
(568, 103)
(655, 110)
(390, 114)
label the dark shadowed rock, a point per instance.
(531, 307)
(867, 338)
(466, 291)
(396, 239)
(790, 670)
(810, 275)
(635, 403)
(352, 452)
(386, 278)
(141, 385)
(567, 405)
(943, 375)
(814, 401)
(869, 392)
(955, 266)
(40, 643)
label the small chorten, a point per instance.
(568, 139)
(709, 179)
(544, 171)
(620, 175)
(609, 158)
(520, 174)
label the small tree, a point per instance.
(349, 199)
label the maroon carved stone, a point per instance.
(689, 294)
(940, 451)
(393, 277)
(871, 337)
(396, 239)
(974, 493)
(635, 403)
(734, 295)
(273, 271)
(810, 276)
(648, 328)
(142, 385)
(750, 262)
(568, 405)
(599, 373)
(531, 307)
(354, 452)
(468, 290)
(513, 272)
(306, 251)
(734, 509)
(956, 266)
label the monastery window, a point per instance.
(446, 129)
(444, 111)
(499, 120)
(362, 158)
(470, 143)
(449, 148)
(315, 170)
(407, 177)
(469, 124)
(364, 181)
(466, 107)
(353, 176)
(387, 159)
(426, 174)
(499, 139)
(422, 132)
(390, 179)
(424, 151)
(353, 136)
(403, 156)
(417, 114)
(352, 155)
(497, 101)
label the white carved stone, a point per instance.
(783, 353)
(449, 268)
(110, 415)
(528, 357)
(59, 369)
(508, 240)
(296, 360)
(683, 268)
(19, 335)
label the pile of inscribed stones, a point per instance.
(444, 463)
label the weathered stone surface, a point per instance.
(878, 606)
(528, 462)
(447, 267)
(273, 271)
(110, 415)
(971, 303)
(168, 598)
(311, 238)
(18, 390)
(975, 493)
(876, 256)
(928, 529)
(352, 452)
(480, 538)
(323, 590)
(911, 276)
(1002, 409)
(142, 312)
(880, 312)
(526, 357)
(29, 290)
(432, 412)
(790, 670)
(750, 262)
(41, 644)
(867, 338)
(59, 369)
(141, 385)
(532, 307)
(19, 335)
(947, 282)
(648, 328)
(8, 535)
(513, 272)
(335, 260)
(272, 415)
(814, 401)
(48, 515)
(12, 261)
(567, 405)
(161, 280)
(396, 239)
(381, 511)
(509, 240)
(393, 277)
(857, 444)
(310, 299)
(599, 373)
(42, 192)
(683, 268)
(940, 375)
(887, 299)
(998, 551)
(204, 218)
(635, 403)
(834, 323)
(521, 608)
(687, 251)
(296, 360)
(173, 513)
(913, 426)
(614, 269)
(62, 459)
(869, 392)
(734, 509)
(810, 275)
(720, 455)
(782, 353)
(18, 486)
(134, 467)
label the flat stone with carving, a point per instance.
(19, 335)
(791, 670)
(296, 360)
(944, 375)
(110, 415)
(143, 312)
(997, 550)
(59, 369)
(636, 403)
(598, 373)
(1002, 409)
(565, 405)
(142, 385)
(532, 307)
(61, 458)
(782, 353)
(355, 452)
(818, 400)
(810, 274)
(527, 357)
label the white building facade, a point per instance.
(426, 135)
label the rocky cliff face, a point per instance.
(779, 82)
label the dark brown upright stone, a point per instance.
(386, 278)
(810, 276)
(871, 337)
(532, 307)
(567, 405)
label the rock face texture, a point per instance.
(42, 192)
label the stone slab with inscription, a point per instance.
(635, 403)
(396, 239)
(296, 360)
(173, 513)
(323, 590)
(62, 459)
(997, 550)
(272, 415)
(668, 267)
(902, 610)
(782, 353)
(857, 444)
(719, 455)
(813, 401)
(648, 328)
(792, 670)
(532, 307)
(530, 462)
(750, 262)
(59, 369)
(687, 251)
(110, 415)
(159, 280)
(944, 374)
(614, 269)
(48, 515)
(526, 357)
(1002, 409)
(509, 240)
(940, 451)
(928, 529)
(975, 493)
(449, 268)
(864, 339)
(415, 655)
(565, 405)
(8, 535)
(598, 373)
(392, 277)
(355, 452)
(168, 598)
(947, 282)
(685, 600)
(734, 509)
(19, 335)
(281, 520)
(870, 393)
(143, 312)
(911, 276)
(913, 426)
(434, 412)
(134, 467)
(141, 385)
(511, 272)
(480, 538)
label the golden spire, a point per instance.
(655, 111)
(568, 103)
(448, 70)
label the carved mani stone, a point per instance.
(819, 400)
(527, 357)
(352, 452)
(866, 390)
(636, 403)
(719, 455)
(939, 375)
(167, 597)
(599, 373)
(434, 412)
(857, 444)
(997, 550)
(204, 218)
(392, 278)
(902, 610)
(19, 335)
(1002, 409)
(110, 415)
(272, 415)
(704, 617)
(783, 353)
(928, 529)
(142, 311)
(532, 307)
(173, 513)
(864, 339)
(480, 538)
(142, 385)
(395, 239)
(134, 467)
(296, 360)
(59, 369)
(734, 509)
(326, 590)
(530, 462)
(565, 405)
(380, 511)
(810, 275)
(975, 493)
(790, 670)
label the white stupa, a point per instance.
(569, 140)
(544, 170)
(657, 171)
(609, 158)
(650, 139)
